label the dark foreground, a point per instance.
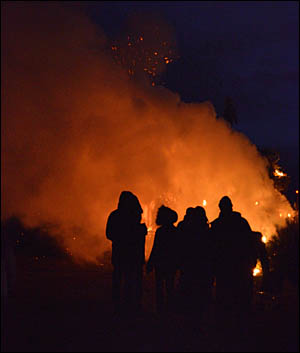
(62, 308)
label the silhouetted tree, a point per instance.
(229, 113)
(283, 252)
(281, 182)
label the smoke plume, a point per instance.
(77, 130)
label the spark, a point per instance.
(204, 203)
(264, 239)
(135, 54)
(256, 271)
(256, 203)
(278, 173)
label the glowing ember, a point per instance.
(256, 271)
(256, 203)
(289, 215)
(264, 239)
(297, 191)
(204, 203)
(147, 53)
(278, 173)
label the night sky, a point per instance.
(245, 50)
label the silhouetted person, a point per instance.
(127, 233)
(164, 257)
(233, 264)
(196, 265)
(183, 227)
(186, 218)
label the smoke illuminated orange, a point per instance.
(77, 130)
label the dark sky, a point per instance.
(246, 50)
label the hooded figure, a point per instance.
(127, 234)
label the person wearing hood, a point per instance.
(233, 264)
(127, 234)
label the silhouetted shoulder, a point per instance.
(180, 224)
(238, 217)
(214, 224)
(113, 225)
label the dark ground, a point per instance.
(63, 308)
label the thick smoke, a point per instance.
(76, 131)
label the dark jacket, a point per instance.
(128, 238)
(195, 246)
(233, 245)
(164, 254)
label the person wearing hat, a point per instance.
(233, 264)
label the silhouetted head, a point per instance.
(258, 236)
(200, 213)
(129, 202)
(188, 213)
(225, 205)
(166, 216)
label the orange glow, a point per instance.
(256, 203)
(257, 271)
(278, 173)
(204, 203)
(264, 239)
(297, 191)
(95, 129)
